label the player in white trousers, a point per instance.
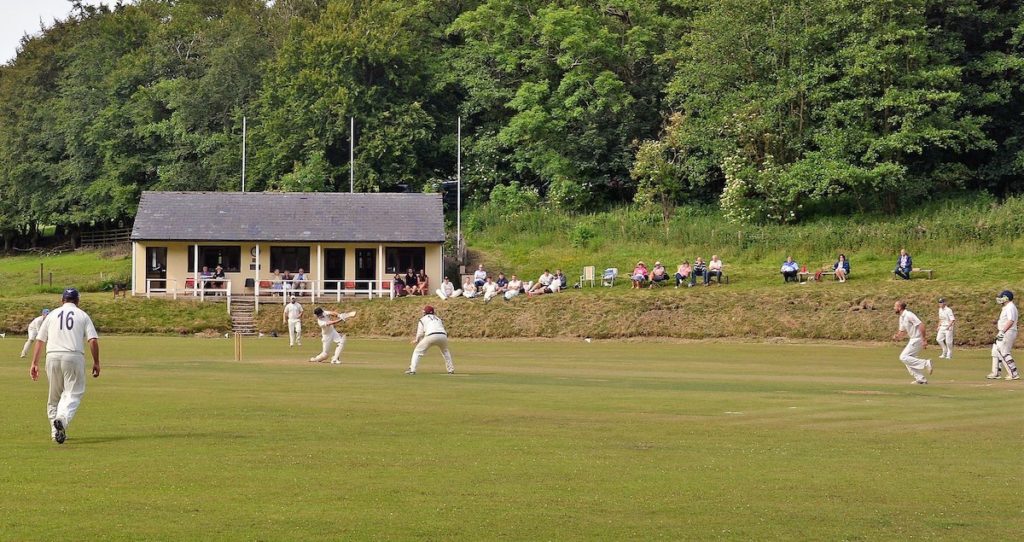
(430, 332)
(65, 333)
(293, 319)
(1006, 326)
(945, 334)
(326, 320)
(33, 330)
(911, 326)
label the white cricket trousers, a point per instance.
(65, 372)
(294, 332)
(915, 366)
(945, 340)
(337, 351)
(1002, 353)
(28, 344)
(439, 340)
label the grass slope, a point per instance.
(86, 270)
(539, 440)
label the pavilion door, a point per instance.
(366, 264)
(334, 268)
(156, 268)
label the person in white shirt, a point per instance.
(33, 331)
(479, 276)
(515, 287)
(490, 290)
(430, 332)
(326, 320)
(945, 334)
(714, 269)
(293, 319)
(913, 329)
(542, 282)
(299, 280)
(447, 290)
(64, 334)
(469, 288)
(1006, 328)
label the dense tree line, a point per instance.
(776, 109)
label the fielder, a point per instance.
(911, 326)
(945, 334)
(430, 332)
(64, 335)
(293, 319)
(1007, 328)
(33, 331)
(326, 320)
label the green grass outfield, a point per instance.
(542, 440)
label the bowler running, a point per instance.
(33, 331)
(911, 326)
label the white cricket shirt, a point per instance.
(1009, 313)
(293, 311)
(429, 325)
(35, 324)
(327, 329)
(66, 329)
(946, 317)
(910, 323)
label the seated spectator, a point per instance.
(479, 276)
(502, 283)
(714, 269)
(639, 274)
(410, 281)
(277, 285)
(398, 284)
(218, 273)
(490, 289)
(789, 270)
(560, 281)
(422, 283)
(469, 288)
(903, 265)
(842, 268)
(447, 290)
(682, 272)
(543, 282)
(557, 283)
(515, 287)
(300, 280)
(700, 269)
(286, 279)
(658, 274)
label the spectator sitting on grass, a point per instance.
(469, 288)
(841, 267)
(639, 274)
(502, 283)
(543, 282)
(658, 274)
(556, 284)
(447, 290)
(515, 287)
(489, 290)
(714, 269)
(700, 269)
(789, 270)
(682, 272)
(903, 265)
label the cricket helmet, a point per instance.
(70, 295)
(428, 310)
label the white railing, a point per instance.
(353, 287)
(150, 289)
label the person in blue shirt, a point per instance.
(841, 268)
(789, 270)
(903, 265)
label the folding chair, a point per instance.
(609, 275)
(588, 274)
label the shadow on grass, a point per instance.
(155, 436)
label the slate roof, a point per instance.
(289, 217)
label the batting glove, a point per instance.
(1000, 337)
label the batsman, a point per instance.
(1006, 328)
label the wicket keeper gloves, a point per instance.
(1000, 337)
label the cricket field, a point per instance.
(529, 440)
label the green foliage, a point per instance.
(513, 199)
